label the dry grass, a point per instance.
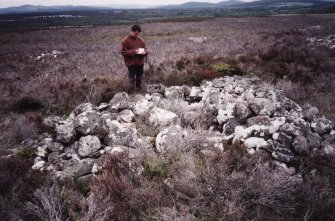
(181, 184)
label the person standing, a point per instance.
(134, 52)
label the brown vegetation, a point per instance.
(182, 184)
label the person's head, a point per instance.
(135, 30)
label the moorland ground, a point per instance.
(51, 71)
(88, 66)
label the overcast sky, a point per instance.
(10, 3)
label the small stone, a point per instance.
(38, 165)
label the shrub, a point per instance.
(120, 194)
(224, 68)
(17, 185)
(27, 153)
(49, 204)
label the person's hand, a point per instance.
(141, 51)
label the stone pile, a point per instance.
(234, 109)
(328, 42)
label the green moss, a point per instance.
(27, 153)
(224, 68)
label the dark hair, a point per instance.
(136, 28)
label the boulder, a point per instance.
(225, 114)
(195, 94)
(311, 113)
(90, 123)
(81, 168)
(242, 111)
(142, 107)
(118, 98)
(163, 118)
(275, 123)
(84, 107)
(174, 93)
(300, 145)
(65, 131)
(170, 138)
(38, 165)
(229, 127)
(124, 137)
(314, 140)
(291, 129)
(283, 154)
(263, 106)
(127, 116)
(255, 142)
(55, 147)
(155, 88)
(284, 139)
(51, 122)
(322, 126)
(88, 145)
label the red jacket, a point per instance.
(129, 45)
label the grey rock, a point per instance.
(28, 142)
(170, 138)
(263, 106)
(291, 129)
(300, 145)
(38, 165)
(142, 106)
(127, 116)
(242, 111)
(127, 137)
(269, 147)
(289, 105)
(103, 106)
(229, 127)
(81, 168)
(226, 113)
(285, 139)
(54, 158)
(55, 147)
(322, 126)
(258, 120)
(283, 154)
(108, 115)
(187, 90)
(174, 93)
(118, 98)
(88, 145)
(314, 140)
(84, 108)
(65, 132)
(125, 105)
(51, 122)
(155, 88)
(163, 118)
(311, 113)
(90, 123)
(195, 94)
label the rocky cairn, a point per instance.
(233, 109)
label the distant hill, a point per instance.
(187, 5)
(274, 3)
(201, 5)
(37, 8)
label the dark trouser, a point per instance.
(135, 73)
